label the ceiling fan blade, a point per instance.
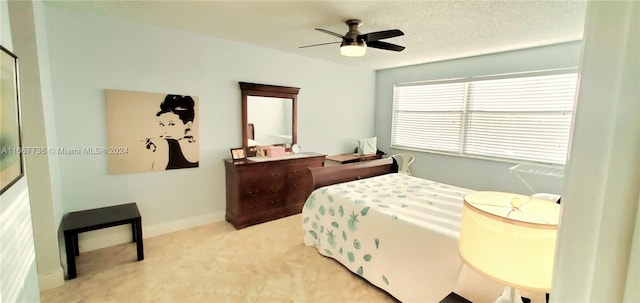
(380, 35)
(385, 46)
(319, 44)
(330, 32)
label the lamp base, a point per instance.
(509, 295)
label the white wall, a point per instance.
(91, 53)
(27, 26)
(18, 277)
(600, 195)
(631, 290)
(466, 172)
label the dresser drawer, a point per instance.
(262, 175)
(258, 192)
(256, 189)
(262, 203)
(297, 172)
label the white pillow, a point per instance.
(367, 146)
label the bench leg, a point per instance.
(133, 232)
(70, 244)
(138, 236)
(76, 247)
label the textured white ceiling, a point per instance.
(434, 30)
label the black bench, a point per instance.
(92, 219)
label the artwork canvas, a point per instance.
(151, 131)
(11, 169)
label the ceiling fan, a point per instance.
(354, 44)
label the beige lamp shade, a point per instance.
(510, 238)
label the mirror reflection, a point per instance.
(269, 120)
(268, 115)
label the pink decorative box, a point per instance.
(275, 151)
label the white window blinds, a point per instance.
(525, 117)
(428, 117)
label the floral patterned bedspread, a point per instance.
(391, 230)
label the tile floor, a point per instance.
(216, 263)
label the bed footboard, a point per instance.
(323, 176)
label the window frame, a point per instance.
(466, 110)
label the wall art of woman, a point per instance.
(151, 131)
(174, 148)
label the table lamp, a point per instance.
(510, 239)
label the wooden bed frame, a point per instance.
(323, 176)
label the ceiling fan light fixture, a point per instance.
(353, 48)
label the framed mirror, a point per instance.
(268, 115)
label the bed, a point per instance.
(398, 232)
(375, 226)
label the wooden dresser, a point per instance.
(267, 189)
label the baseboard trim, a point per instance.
(51, 280)
(169, 227)
(122, 234)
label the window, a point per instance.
(524, 117)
